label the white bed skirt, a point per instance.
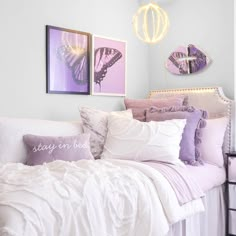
(210, 222)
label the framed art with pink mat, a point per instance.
(108, 66)
(68, 61)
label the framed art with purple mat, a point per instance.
(108, 66)
(187, 60)
(68, 61)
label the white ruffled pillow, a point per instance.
(131, 139)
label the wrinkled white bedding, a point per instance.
(88, 198)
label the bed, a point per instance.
(110, 196)
(212, 221)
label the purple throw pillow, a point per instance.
(41, 149)
(138, 106)
(191, 138)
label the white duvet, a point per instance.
(88, 198)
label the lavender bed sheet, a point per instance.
(186, 188)
(207, 176)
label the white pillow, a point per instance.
(12, 147)
(140, 141)
(95, 123)
(212, 140)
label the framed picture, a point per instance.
(68, 62)
(108, 66)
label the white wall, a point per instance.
(205, 23)
(209, 25)
(22, 59)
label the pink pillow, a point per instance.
(41, 149)
(212, 141)
(138, 106)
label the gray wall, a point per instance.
(209, 24)
(22, 60)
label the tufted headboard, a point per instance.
(211, 99)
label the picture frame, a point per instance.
(67, 61)
(108, 64)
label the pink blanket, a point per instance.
(185, 187)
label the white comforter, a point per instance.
(88, 198)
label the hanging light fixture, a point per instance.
(150, 23)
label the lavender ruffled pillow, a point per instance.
(138, 106)
(191, 138)
(41, 149)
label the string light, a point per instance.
(150, 23)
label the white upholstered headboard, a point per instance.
(211, 99)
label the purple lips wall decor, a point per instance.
(186, 60)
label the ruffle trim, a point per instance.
(198, 133)
(171, 109)
(204, 114)
(202, 124)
